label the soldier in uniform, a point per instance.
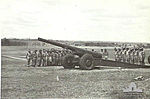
(142, 56)
(47, 56)
(136, 56)
(132, 55)
(40, 58)
(34, 60)
(29, 57)
(59, 57)
(44, 57)
(53, 57)
(105, 54)
(123, 55)
(115, 49)
(129, 55)
(50, 58)
(62, 55)
(119, 55)
(102, 51)
(56, 58)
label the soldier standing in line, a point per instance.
(56, 58)
(50, 58)
(132, 55)
(136, 56)
(115, 49)
(102, 51)
(29, 57)
(40, 58)
(47, 57)
(44, 57)
(62, 55)
(46, 54)
(59, 55)
(120, 55)
(53, 56)
(123, 54)
(34, 60)
(142, 56)
(129, 55)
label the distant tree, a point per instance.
(5, 42)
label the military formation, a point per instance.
(46, 57)
(53, 57)
(132, 55)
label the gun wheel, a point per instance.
(67, 61)
(86, 62)
(149, 59)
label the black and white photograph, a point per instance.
(75, 49)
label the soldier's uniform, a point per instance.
(136, 56)
(50, 58)
(53, 58)
(56, 58)
(59, 58)
(44, 58)
(40, 58)
(117, 55)
(62, 55)
(120, 55)
(142, 56)
(124, 55)
(29, 57)
(34, 60)
(129, 55)
(132, 56)
(47, 58)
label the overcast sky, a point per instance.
(92, 20)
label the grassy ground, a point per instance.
(19, 81)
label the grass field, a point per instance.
(19, 81)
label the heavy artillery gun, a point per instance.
(87, 59)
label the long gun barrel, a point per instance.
(78, 51)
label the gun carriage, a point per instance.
(87, 60)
